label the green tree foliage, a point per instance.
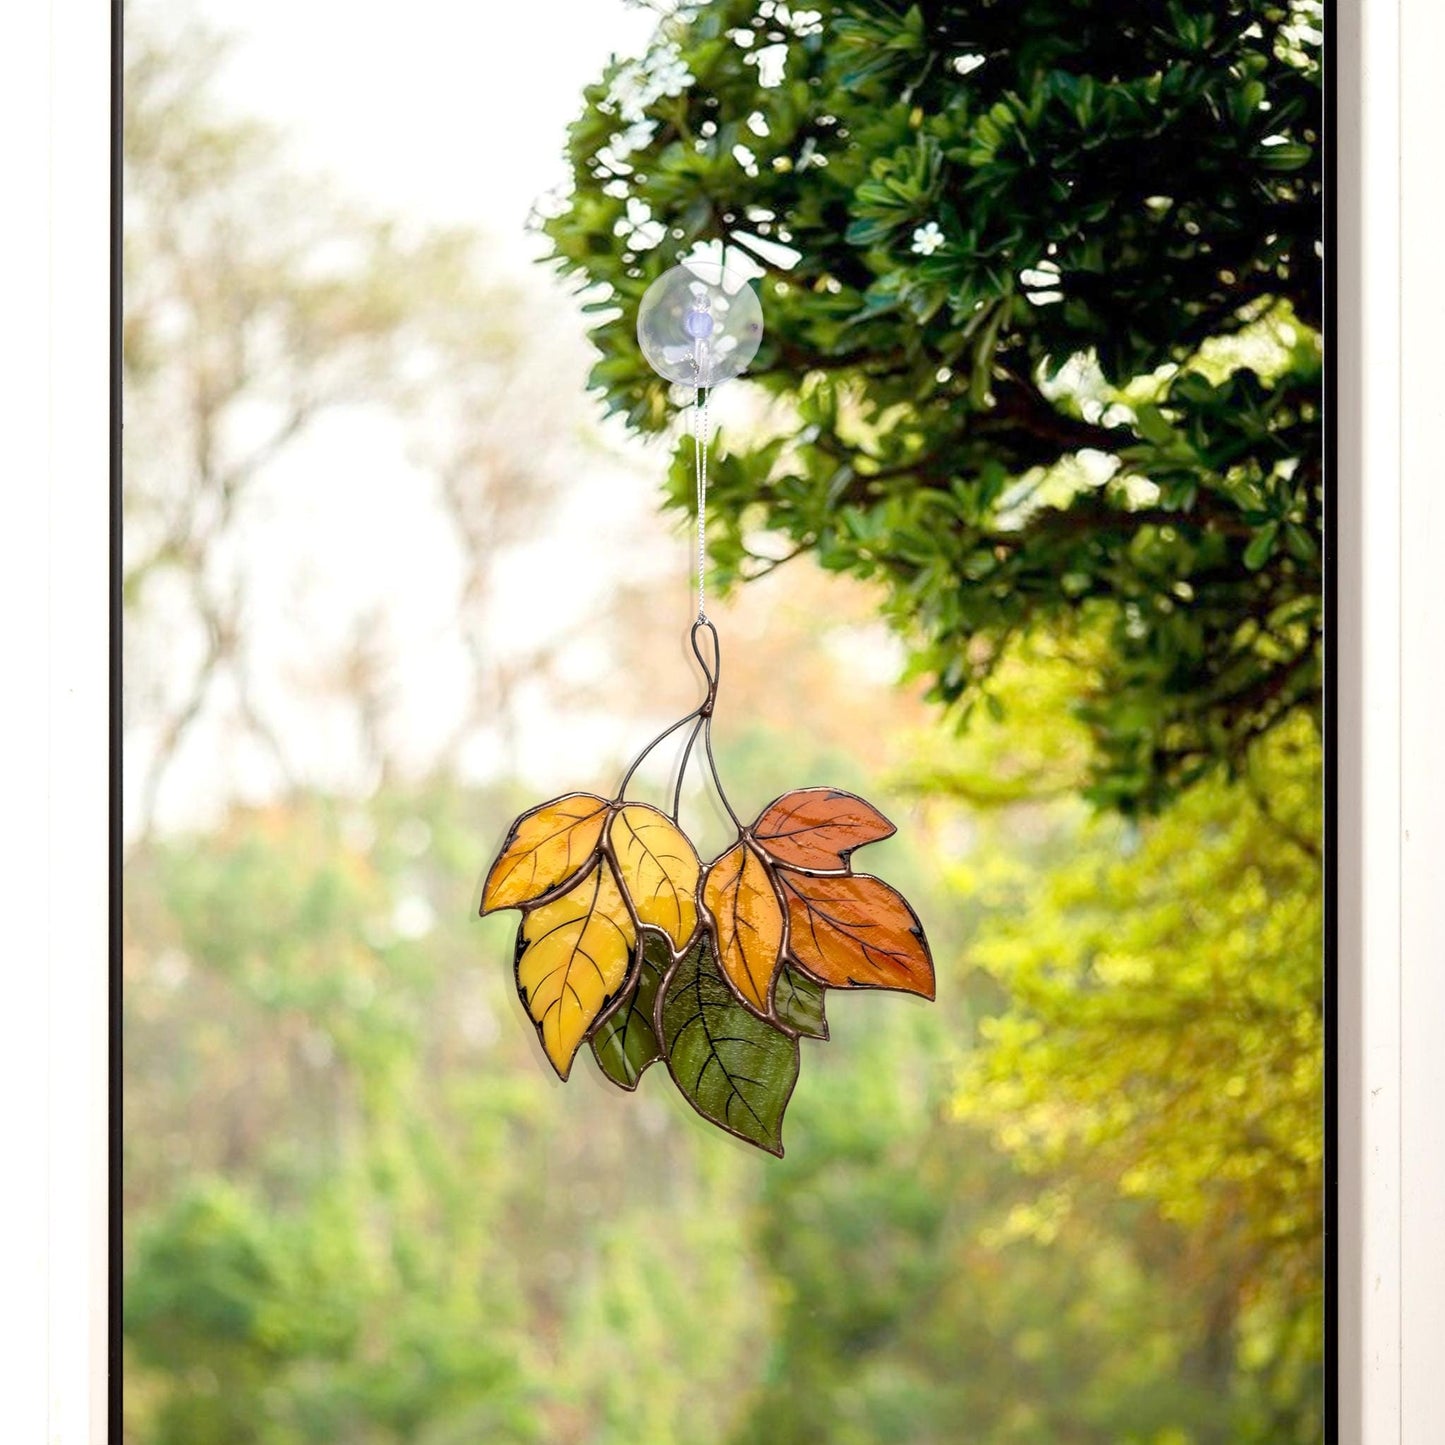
(1042, 311)
(358, 1211)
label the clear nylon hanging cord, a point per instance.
(699, 447)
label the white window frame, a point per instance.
(54, 842)
(1391, 819)
(55, 253)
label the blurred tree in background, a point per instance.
(1042, 320)
(258, 304)
(1043, 368)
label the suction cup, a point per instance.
(699, 325)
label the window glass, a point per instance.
(1017, 534)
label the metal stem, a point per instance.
(642, 756)
(682, 768)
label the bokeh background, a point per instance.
(390, 577)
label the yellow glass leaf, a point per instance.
(748, 924)
(544, 848)
(572, 958)
(659, 868)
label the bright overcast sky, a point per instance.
(438, 110)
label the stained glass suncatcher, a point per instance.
(628, 942)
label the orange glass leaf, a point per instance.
(659, 869)
(818, 828)
(545, 848)
(747, 924)
(573, 954)
(856, 932)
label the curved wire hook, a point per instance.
(713, 674)
(700, 713)
(710, 672)
(701, 719)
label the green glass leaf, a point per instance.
(625, 1043)
(799, 1002)
(735, 1069)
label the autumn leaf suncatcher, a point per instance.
(629, 943)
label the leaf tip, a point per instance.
(628, 1081)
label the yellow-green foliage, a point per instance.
(1160, 1028)
(1166, 1006)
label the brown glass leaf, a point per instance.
(855, 931)
(818, 828)
(747, 924)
